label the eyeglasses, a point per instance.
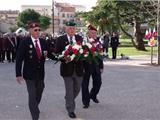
(35, 30)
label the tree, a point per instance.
(120, 14)
(25, 16)
(13, 29)
(135, 13)
(44, 22)
(31, 15)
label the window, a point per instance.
(63, 15)
(64, 21)
(67, 15)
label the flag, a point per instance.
(149, 33)
(154, 34)
(146, 33)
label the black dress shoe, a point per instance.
(72, 115)
(95, 100)
(85, 106)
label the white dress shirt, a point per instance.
(73, 38)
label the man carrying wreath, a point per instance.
(70, 70)
(92, 68)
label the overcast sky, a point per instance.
(16, 4)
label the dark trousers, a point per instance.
(96, 84)
(114, 52)
(3, 55)
(105, 49)
(35, 90)
(11, 55)
(0, 55)
(8, 55)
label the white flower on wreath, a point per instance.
(86, 55)
(67, 47)
(72, 56)
(81, 51)
(84, 43)
(89, 45)
(76, 46)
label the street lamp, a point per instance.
(53, 17)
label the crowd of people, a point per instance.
(9, 44)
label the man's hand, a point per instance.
(19, 79)
(101, 70)
(45, 54)
(67, 59)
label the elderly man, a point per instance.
(32, 51)
(91, 69)
(71, 71)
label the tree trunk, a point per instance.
(102, 29)
(139, 37)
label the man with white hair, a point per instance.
(71, 71)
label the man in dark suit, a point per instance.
(1, 37)
(11, 48)
(93, 69)
(114, 44)
(71, 71)
(32, 52)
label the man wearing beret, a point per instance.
(93, 69)
(31, 56)
(71, 71)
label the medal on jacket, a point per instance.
(31, 57)
(30, 46)
(30, 51)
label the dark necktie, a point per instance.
(37, 50)
(71, 41)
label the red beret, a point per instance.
(90, 27)
(33, 24)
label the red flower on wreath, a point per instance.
(75, 51)
(70, 48)
(92, 49)
(85, 51)
(78, 42)
(66, 52)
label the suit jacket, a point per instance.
(32, 66)
(67, 69)
(114, 42)
(1, 43)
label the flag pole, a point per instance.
(158, 35)
(53, 17)
(151, 55)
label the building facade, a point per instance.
(67, 12)
(62, 12)
(41, 9)
(8, 20)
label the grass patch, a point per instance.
(131, 51)
(128, 43)
(125, 42)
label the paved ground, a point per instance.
(130, 91)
